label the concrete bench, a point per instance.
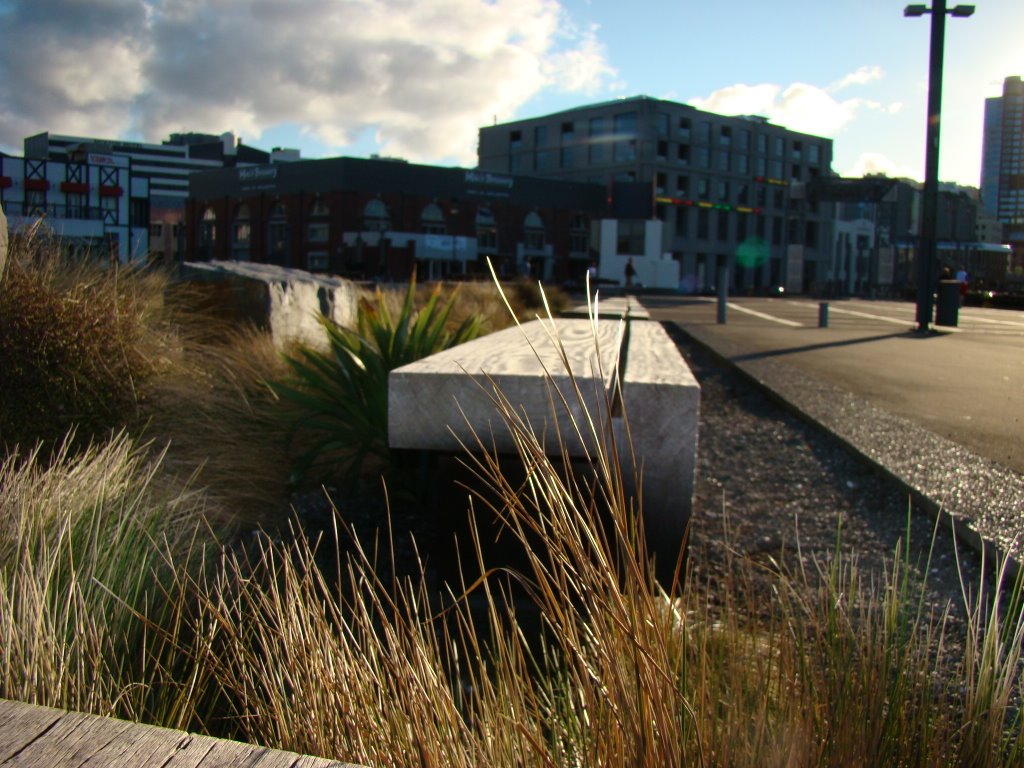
(440, 403)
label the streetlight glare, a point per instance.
(915, 10)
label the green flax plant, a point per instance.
(339, 395)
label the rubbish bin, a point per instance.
(947, 308)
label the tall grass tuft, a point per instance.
(86, 546)
(72, 349)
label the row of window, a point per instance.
(737, 227)
(376, 218)
(623, 127)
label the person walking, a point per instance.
(630, 273)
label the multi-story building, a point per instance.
(724, 191)
(89, 204)
(1003, 163)
(164, 168)
(380, 218)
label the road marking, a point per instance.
(840, 310)
(763, 316)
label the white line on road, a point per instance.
(763, 316)
(866, 315)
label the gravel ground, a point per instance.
(768, 481)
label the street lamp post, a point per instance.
(929, 210)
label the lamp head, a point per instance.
(915, 10)
(963, 11)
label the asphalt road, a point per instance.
(965, 384)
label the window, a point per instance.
(793, 233)
(317, 231)
(432, 220)
(540, 136)
(741, 227)
(277, 231)
(662, 149)
(814, 154)
(76, 205)
(578, 240)
(625, 124)
(704, 132)
(682, 222)
(624, 151)
(515, 140)
(725, 136)
(660, 182)
(682, 186)
(778, 147)
(797, 151)
(702, 223)
(743, 139)
(568, 131)
(723, 159)
(567, 158)
(544, 159)
(742, 163)
(776, 230)
(596, 128)
(762, 143)
(723, 226)
(241, 234)
(722, 191)
(759, 228)
(317, 261)
(762, 197)
(703, 157)
(811, 234)
(138, 211)
(318, 208)
(630, 237)
(486, 231)
(761, 166)
(684, 128)
(703, 188)
(778, 198)
(376, 217)
(661, 122)
(208, 233)
(533, 229)
(684, 153)
(743, 194)
(776, 169)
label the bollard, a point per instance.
(823, 314)
(723, 293)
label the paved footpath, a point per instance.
(941, 414)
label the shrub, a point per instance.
(69, 348)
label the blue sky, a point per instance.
(416, 78)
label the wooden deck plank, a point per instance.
(70, 742)
(41, 737)
(20, 725)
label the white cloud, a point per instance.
(874, 162)
(421, 74)
(799, 107)
(862, 76)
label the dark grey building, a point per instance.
(726, 190)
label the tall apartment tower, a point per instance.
(728, 191)
(1003, 162)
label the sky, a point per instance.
(417, 78)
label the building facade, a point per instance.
(728, 191)
(164, 168)
(1003, 163)
(89, 205)
(375, 218)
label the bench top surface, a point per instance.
(530, 349)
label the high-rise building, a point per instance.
(1003, 162)
(721, 191)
